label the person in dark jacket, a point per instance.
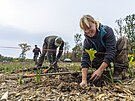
(51, 43)
(36, 52)
(101, 40)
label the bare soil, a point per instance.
(64, 88)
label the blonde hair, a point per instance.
(85, 20)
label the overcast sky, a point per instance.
(30, 21)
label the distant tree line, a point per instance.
(125, 27)
(2, 58)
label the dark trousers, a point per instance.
(51, 55)
(121, 58)
(35, 57)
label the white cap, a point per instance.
(58, 41)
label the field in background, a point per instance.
(59, 87)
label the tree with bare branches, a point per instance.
(25, 47)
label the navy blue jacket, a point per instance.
(103, 42)
(36, 51)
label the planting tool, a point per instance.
(49, 74)
(46, 70)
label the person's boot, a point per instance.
(125, 74)
(117, 76)
(120, 75)
(56, 68)
(38, 65)
(36, 62)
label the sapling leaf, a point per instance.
(91, 53)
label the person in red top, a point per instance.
(36, 52)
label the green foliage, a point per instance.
(24, 48)
(21, 59)
(2, 58)
(14, 66)
(110, 77)
(131, 73)
(130, 27)
(66, 49)
(38, 77)
(131, 65)
(126, 27)
(131, 60)
(75, 66)
(77, 38)
(9, 68)
(20, 80)
(77, 50)
(120, 30)
(91, 53)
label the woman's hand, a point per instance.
(83, 83)
(96, 75)
(84, 77)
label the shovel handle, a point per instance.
(29, 75)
